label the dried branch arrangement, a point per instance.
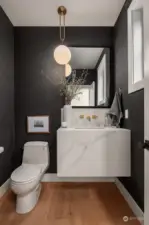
(70, 86)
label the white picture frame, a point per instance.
(38, 124)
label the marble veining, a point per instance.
(93, 152)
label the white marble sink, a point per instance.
(93, 152)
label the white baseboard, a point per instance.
(49, 177)
(4, 187)
(131, 202)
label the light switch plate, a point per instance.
(126, 114)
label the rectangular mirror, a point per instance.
(95, 91)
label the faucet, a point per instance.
(88, 118)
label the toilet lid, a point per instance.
(25, 173)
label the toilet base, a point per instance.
(26, 203)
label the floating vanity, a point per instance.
(93, 152)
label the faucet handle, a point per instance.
(94, 117)
(81, 116)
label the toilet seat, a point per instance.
(25, 173)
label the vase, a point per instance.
(68, 115)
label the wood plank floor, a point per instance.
(71, 204)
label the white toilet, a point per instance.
(25, 180)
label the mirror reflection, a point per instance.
(95, 90)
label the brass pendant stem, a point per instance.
(62, 12)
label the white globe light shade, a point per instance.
(68, 70)
(62, 54)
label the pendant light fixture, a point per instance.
(62, 54)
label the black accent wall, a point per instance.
(34, 62)
(7, 137)
(135, 104)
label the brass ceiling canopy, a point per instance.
(62, 10)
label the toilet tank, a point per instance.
(36, 152)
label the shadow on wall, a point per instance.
(37, 94)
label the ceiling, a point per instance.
(80, 12)
(84, 58)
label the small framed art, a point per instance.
(38, 124)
